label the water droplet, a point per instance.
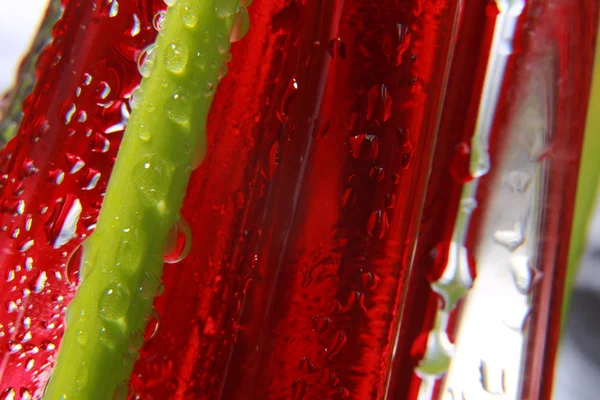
(40, 282)
(511, 238)
(337, 344)
(152, 177)
(370, 280)
(379, 103)
(518, 181)
(114, 9)
(493, 378)
(8, 394)
(377, 224)
(223, 70)
(225, 9)
(81, 376)
(459, 166)
(286, 100)
(189, 13)
(158, 22)
(25, 393)
(298, 389)
(321, 324)
(70, 113)
(337, 48)
(364, 146)
(170, 3)
(306, 365)
(176, 56)
(114, 302)
(178, 107)
(73, 265)
(130, 252)
(152, 325)
(146, 60)
(91, 180)
(104, 89)
(241, 25)
(135, 341)
(100, 143)
(453, 273)
(75, 163)
(149, 286)
(65, 217)
(108, 335)
(179, 242)
(135, 29)
(25, 245)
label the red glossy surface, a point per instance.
(337, 152)
(60, 162)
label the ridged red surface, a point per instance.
(337, 149)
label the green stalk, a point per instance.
(123, 259)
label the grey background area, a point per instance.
(578, 372)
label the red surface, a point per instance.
(337, 151)
(38, 189)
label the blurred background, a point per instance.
(578, 370)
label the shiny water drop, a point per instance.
(176, 56)
(299, 388)
(378, 224)
(73, 265)
(152, 325)
(68, 214)
(114, 302)
(158, 22)
(114, 9)
(135, 29)
(143, 132)
(286, 100)
(337, 48)
(108, 336)
(241, 25)
(151, 177)
(25, 394)
(8, 394)
(75, 163)
(178, 107)
(225, 9)
(147, 60)
(364, 146)
(493, 378)
(518, 181)
(189, 13)
(135, 341)
(81, 376)
(336, 345)
(149, 286)
(179, 242)
(510, 238)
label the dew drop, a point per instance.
(170, 3)
(364, 146)
(179, 242)
(189, 13)
(336, 48)
(108, 335)
(225, 9)
(176, 56)
(136, 26)
(152, 325)
(158, 22)
(81, 376)
(288, 96)
(337, 344)
(152, 177)
(114, 302)
(114, 9)
(146, 60)
(241, 25)
(178, 108)
(73, 265)
(135, 341)
(8, 394)
(299, 388)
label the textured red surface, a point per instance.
(337, 151)
(61, 157)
